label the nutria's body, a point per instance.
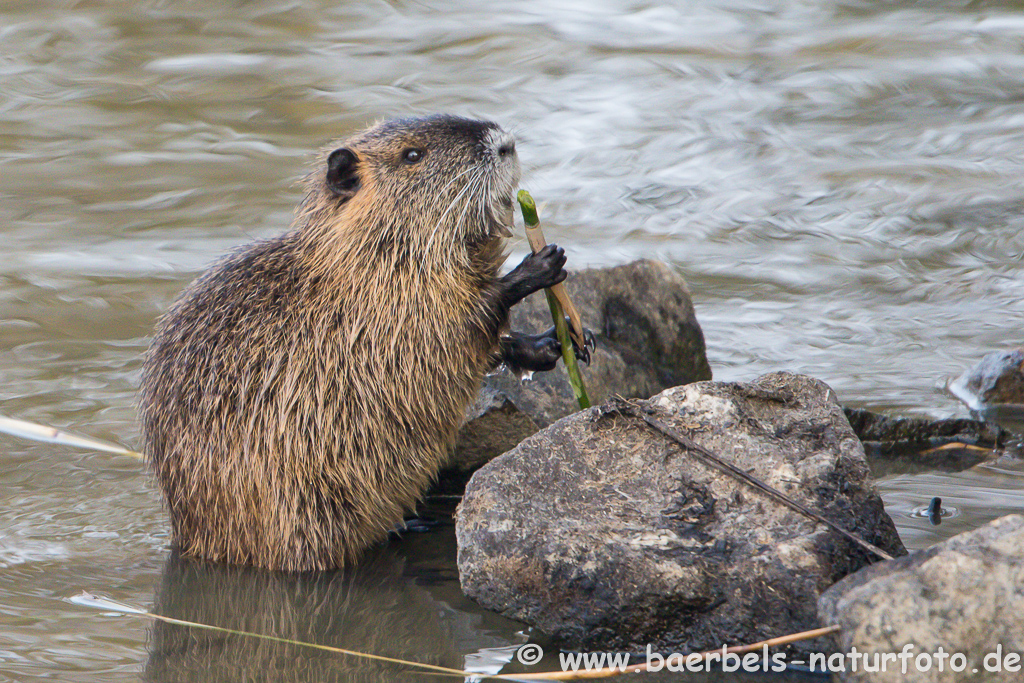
(299, 397)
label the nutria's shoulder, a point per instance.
(259, 282)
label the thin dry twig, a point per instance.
(634, 410)
(86, 599)
(107, 604)
(956, 446)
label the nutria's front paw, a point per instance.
(546, 352)
(582, 354)
(537, 353)
(544, 269)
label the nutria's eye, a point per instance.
(412, 155)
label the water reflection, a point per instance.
(391, 604)
(372, 609)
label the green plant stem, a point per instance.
(579, 389)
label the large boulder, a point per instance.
(648, 340)
(605, 535)
(960, 596)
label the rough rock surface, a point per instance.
(493, 425)
(648, 340)
(998, 378)
(962, 595)
(605, 535)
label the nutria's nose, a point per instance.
(501, 143)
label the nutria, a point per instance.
(300, 395)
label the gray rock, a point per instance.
(994, 389)
(648, 340)
(493, 425)
(605, 535)
(998, 378)
(962, 595)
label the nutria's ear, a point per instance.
(343, 173)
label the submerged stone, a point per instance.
(908, 444)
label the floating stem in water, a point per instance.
(37, 432)
(107, 605)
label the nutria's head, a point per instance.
(425, 183)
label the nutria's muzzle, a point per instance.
(503, 180)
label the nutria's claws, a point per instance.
(583, 355)
(589, 344)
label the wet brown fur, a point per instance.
(300, 396)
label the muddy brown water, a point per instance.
(839, 182)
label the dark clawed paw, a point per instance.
(546, 267)
(538, 353)
(537, 271)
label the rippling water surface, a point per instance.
(839, 182)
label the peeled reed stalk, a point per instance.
(558, 301)
(38, 432)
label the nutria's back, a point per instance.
(300, 395)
